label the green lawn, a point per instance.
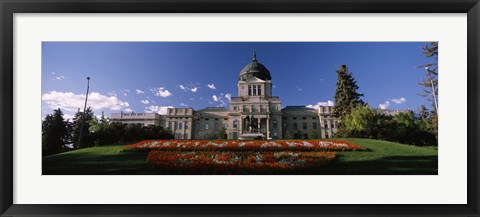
(383, 158)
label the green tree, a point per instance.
(55, 133)
(404, 127)
(346, 95)
(363, 121)
(312, 134)
(87, 138)
(222, 134)
(430, 81)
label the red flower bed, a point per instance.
(234, 145)
(237, 162)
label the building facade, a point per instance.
(255, 111)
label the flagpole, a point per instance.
(83, 115)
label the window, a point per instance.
(235, 108)
(294, 118)
(169, 125)
(205, 136)
(225, 126)
(333, 126)
(304, 126)
(314, 118)
(185, 136)
(254, 90)
(295, 126)
(197, 126)
(314, 126)
(206, 126)
(215, 126)
(180, 125)
(216, 119)
(175, 125)
(326, 126)
(234, 135)
(186, 125)
(235, 124)
(259, 90)
(261, 108)
(304, 118)
(253, 108)
(275, 124)
(249, 90)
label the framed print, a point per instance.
(193, 108)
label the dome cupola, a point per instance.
(254, 69)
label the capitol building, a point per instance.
(255, 113)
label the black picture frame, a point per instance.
(9, 7)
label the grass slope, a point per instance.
(383, 158)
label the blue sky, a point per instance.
(151, 76)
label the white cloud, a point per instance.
(53, 73)
(145, 101)
(327, 103)
(112, 93)
(69, 101)
(384, 105)
(228, 96)
(387, 103)
(138, 91)
(128, 110)
(157, 109)
(161, 92)
(60, 77)
(212, 86)
(124, 94)
(399, 101)
(220, 99)
(68, 117)
(299, 89)
(183, 104)
(186, 88)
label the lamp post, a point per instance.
(83, 116)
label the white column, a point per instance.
(268, 127)
(258, 124)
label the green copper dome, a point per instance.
(254, 69)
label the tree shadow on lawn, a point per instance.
(127, 163)
(394, 165)
(134, 163)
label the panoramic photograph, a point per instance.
(239, 108)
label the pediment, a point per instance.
(254, 80)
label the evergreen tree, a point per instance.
(87, 139)
(54, 133)
(430, 82)
(346, 95)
